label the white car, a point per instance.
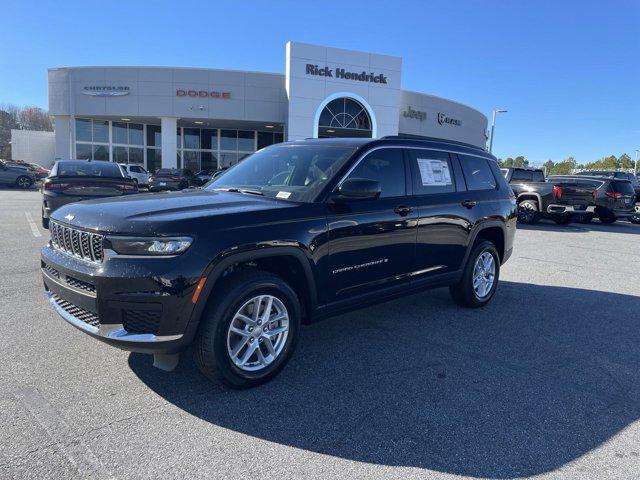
(137, 172)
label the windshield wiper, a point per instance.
(240, 190)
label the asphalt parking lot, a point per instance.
(544, 381)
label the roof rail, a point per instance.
(409, 136)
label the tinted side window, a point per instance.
(432, 172)
(385, 165)
(477, 173)
(537, 176)
(520, 176)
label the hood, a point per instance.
(171, 212)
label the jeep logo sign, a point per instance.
(417, 114)
(343, 74)
(443, 119)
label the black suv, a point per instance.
(294, 233)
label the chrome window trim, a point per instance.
(364, 154)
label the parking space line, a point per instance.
(80, 456)
(32, 224)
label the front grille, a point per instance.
(52, 271)
(80, 313)
(85, 245)
(140, 321)
(87, 287)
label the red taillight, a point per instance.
(614, 195)
(595, 195)
(557, 192)
(54, 186)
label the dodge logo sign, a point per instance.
(202, 94)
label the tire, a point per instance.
(463, 292)
(635, 219)
(607, 220)
(528, 212)
(213, 344)
(24, 182)
(562, 219)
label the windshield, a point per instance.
(289, 172)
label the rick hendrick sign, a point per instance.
(342, 73)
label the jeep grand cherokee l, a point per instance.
(294, 233)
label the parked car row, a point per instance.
(608, 196)
(76, 180)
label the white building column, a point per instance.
(168, 126)
(63, 129)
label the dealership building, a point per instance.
(203, 119)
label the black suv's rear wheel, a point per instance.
(528, 212)
(249, 331)
(479, 278)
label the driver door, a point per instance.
(372, 242)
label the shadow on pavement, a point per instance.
(620, 226)
(536, 379)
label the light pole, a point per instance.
(493, 126)
(635, 170)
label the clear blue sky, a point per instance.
(568, 71)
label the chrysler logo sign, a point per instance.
(443, 119)
(342, 73)
(411, 113)
(106, 90)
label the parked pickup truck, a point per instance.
(560, 199)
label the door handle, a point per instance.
(469, 203)
(402, 210)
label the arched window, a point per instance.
(344, 117)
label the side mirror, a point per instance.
(359, 189)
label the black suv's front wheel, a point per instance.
(479, 278)
(249, 331)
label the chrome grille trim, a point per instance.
(84, 245)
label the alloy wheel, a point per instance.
(258, 333)
(484, 274)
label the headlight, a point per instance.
(149, 245)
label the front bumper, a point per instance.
(114, 331)
(136, 304)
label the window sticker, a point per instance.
(434, 172)
(283, 195)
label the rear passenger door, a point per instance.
(443, 221)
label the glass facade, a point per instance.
(198, 148)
